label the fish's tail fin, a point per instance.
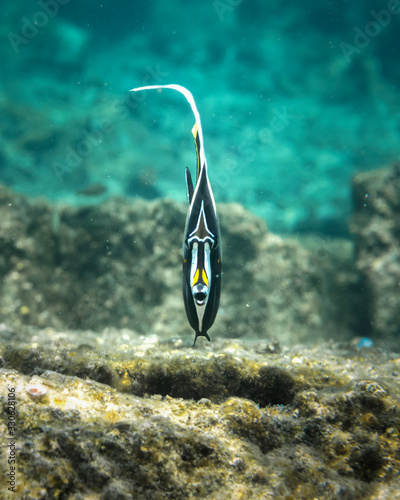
(196, 130)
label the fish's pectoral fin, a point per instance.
(189, 185)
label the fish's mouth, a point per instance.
(200, 294)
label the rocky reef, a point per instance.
(118, 264)
(227, 420)
(108, 400)
(376, 226)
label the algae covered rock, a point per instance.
(376, 225)
(175, 422)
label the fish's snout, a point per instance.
(200, 294)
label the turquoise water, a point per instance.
(294, 99)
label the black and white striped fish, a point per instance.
(202, 241)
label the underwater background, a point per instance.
(297, 394)
(294, 99)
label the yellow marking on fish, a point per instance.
(194, 130)
(196, 277)
(204, 276)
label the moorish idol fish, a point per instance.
(202, 241)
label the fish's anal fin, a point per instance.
(189, 185)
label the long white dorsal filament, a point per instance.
(190, 99)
